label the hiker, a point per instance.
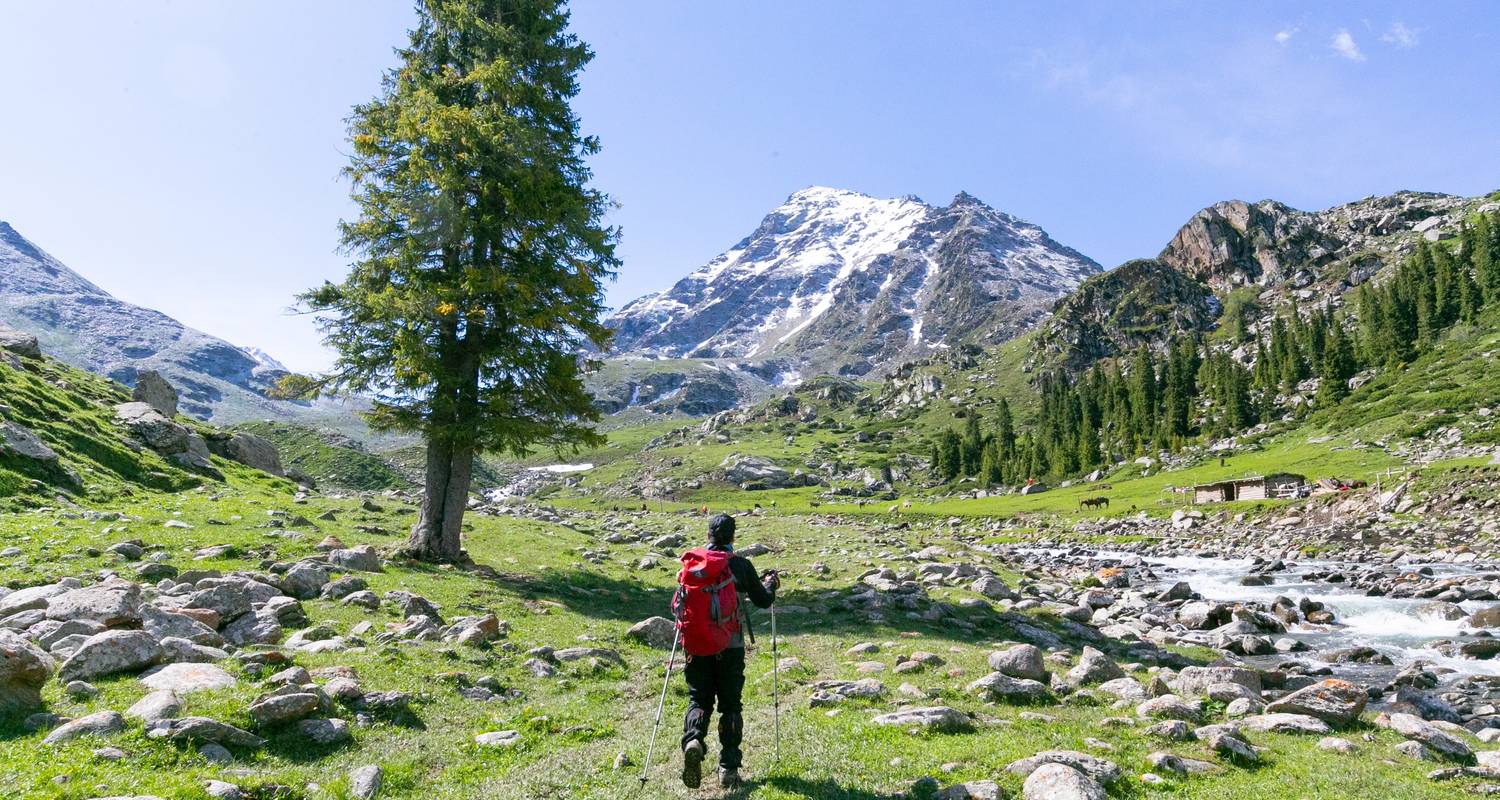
(712, 617)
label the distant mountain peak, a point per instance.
(847, 281)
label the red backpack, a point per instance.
(706, 605)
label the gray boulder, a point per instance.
(326, 732)
(154, 390)
(1285, 723)
(18, 440)
(1020, 661)
(166, 624)
(153, 428)
(1060, 782)
(24, 668)
(1094, 667)
(158, 705)
(999, 687)
(100, 723)
(182, 678)
(19, 342)
(657, 632)
(365, 782)
(362, 558)
(937, 718)
(110, 652)
(1334, 701)
(253, 451)
(1434, 738)
(1195, 681)
(1101, 770)
(203, 729)
(114, 602)
(304, 580)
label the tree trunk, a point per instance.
(435, 536)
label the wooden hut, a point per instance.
(1281, 485)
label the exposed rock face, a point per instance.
(1139, 303)
(757, 472)
(24, 668)
(1268, 247)
(1235, 243)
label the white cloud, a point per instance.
(1401, 36)
(1344, 45)
(1285, 35)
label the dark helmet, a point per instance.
(721, 529)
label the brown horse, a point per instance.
(1093, 502)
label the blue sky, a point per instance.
(185, 155)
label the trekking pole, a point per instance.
(775, 689)
(660, 704)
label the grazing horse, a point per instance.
(1093, 502)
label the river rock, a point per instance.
(1060, 782)
(1336, 702)
(1433, 737)
(110, 652)
(24, 668)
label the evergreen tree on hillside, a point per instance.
(480, 249)
(1337, 368)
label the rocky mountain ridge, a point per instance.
(83, 325)
(1258, 255)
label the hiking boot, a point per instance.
(692, 764)
(729, 778)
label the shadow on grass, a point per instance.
(823, 789)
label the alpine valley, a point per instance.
(1223, 522)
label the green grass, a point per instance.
(573, 728)
(333, 460)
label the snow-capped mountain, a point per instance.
(265, 359)
(834, 280)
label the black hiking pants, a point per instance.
(718, 678)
